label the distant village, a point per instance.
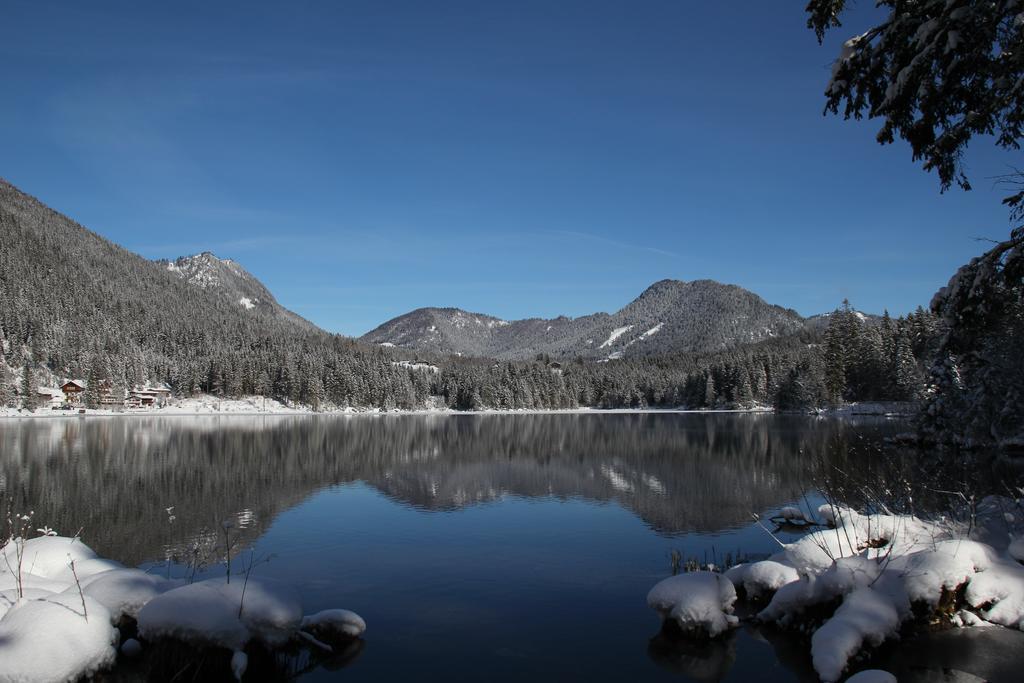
(71, 396)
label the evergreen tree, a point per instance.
(28, 388)
(836, 354)
(905, 373)
(6, 388)
(315, 392)
(6, 381)
(744, 392)
(938, 73)
(95, 380)
(710, 397)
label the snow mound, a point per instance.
(57, 619)
(51, 639)
(700, 602)
(998, 592)
(199, 613)
(9, 598)
(927, 573)
(222, 614)
(331, 623)
(792, 514)
(855, 584)
(272, 611)
(124, 591)
(759, 578)
(865, 617)
(50, 557)
(9, 581)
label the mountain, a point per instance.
(670, 316)
(229, 280)
(73, 304)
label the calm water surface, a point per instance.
(487, 547)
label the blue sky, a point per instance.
(518, 159)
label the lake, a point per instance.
(493, 547)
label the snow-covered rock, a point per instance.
(998, 592)
(124, 591)
(57, 620)
(927, 573)
(50, 557)
(700, 602)
(332, 623)
(880, 570)
(759, 578)
(865, 617)
(792, 514)
(217, 613)
(52, 638)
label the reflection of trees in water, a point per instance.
(699, 660)
(716, 659)
(115, 477)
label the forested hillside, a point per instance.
(73, 304)
(232, 282)
(76, 305)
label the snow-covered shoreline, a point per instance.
(56, 590)
(258, 406)
(858, 580)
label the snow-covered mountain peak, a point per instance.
(230, 280)
(669, 316)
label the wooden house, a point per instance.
(73, 390)
(108, 397)
(147, 396)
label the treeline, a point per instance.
(853, 359)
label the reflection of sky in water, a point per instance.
(479, 548)
(502, 591)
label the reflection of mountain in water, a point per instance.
(115, 477)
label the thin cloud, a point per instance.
(220, 248)
(615, 243)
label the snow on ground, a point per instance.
(654, 330)
(699, 602)
(880, 408)
(866, 617)
(415, 365)
(792, 514)
(877, 572)
(59, 608)
(761, 577)
(616, 333)
(646, 335)
(258, 405)
(247, 303)
(55, 638)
